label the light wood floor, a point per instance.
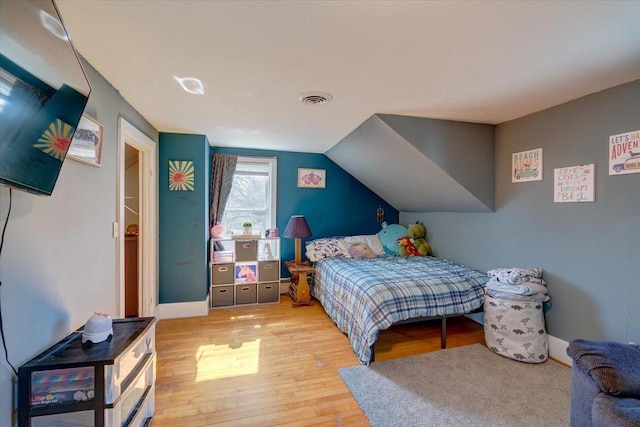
(273, 364)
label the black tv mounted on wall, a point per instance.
(43, 93)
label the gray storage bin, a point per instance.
(222, 296)
(268, 271)
(246, 294)
(269, 292)
(246, 250)
(222, 274)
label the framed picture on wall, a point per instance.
(181, 175)
(312, 178)
(86, 145)
(624, 153)
(574, 183)
(526, 166)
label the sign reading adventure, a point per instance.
(624, 153)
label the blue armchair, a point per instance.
(605, 387)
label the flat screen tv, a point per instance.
(43, 93)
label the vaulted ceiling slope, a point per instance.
(420, 164)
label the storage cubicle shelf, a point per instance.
(244, 271)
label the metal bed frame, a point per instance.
(443, 328)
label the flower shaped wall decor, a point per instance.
(56, 139)
(181, 175)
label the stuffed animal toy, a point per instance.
(407, 247)
(416, 233)
(424, 248)
(389, 236)
(361, 250)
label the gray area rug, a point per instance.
(462, 386)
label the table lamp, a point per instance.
(297, 228)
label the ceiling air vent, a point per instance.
(314, 98)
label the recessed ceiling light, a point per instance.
(315, 98)
(53, 25)
(190, 84)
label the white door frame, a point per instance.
(148, 218)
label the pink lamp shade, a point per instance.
(297, 228)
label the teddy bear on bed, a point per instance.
(415, 243)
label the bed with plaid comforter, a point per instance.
(366, 296)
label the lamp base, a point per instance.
(298, 258)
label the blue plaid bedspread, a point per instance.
(364, 297)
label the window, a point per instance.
(6, 83)
(253, 195)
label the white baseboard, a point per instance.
(284, 286)
(183, 309)
(558, 350)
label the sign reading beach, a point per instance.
(624, 153)
(526, 166)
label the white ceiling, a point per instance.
(476, 61)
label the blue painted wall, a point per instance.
(184, 221)
(344, 207)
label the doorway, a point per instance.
(131, 231)
(137, 251)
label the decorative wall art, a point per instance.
(86, 145)
(624, 153)
(574, 184)
(527, 166)
(181, 175)
(56, 139)
(380, 214)
(312, 178)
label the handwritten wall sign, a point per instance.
(574, 184)
(526, 166)
(624, 153)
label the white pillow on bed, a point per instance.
(327, 248)
(372, 240)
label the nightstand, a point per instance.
(299, 290)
